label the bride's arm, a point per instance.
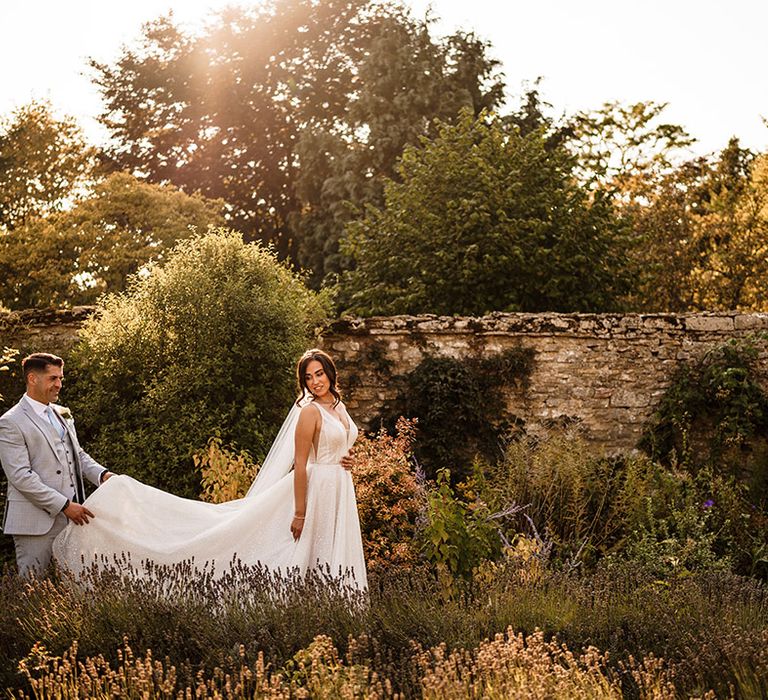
(305, 433)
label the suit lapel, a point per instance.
(44, 426)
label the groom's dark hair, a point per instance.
(38, 361)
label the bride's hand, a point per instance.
(297, 525)
(348, 461)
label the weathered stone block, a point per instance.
(709, 323)
(628, 398)
(751, 322)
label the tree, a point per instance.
(485, 219)
(43, 162)
(732, 272)
(75, 256)
(408, 79)
(623, 146)
(220, 113)
(702, 236)
(290, 112)
(666, 233)
(533, 114)
(203, 346)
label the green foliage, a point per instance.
(73, 257)
(225, 475)
(581, 508)
(7, 356)
(715, 412)
(407, 79)
(623, 146)
(44, 161)
(485, 219)
(457, 537)
(677, 544)
(389, 497)
(667, 243)
(583, 505)
(204, 345)
(288, 110)
(460, 407)
(248, 112)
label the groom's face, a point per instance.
(45, 385)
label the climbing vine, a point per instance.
(715, 412)
(461, 408)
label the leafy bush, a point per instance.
(74, 256)
(460, 407)
(203, 346)
(740, 526)
(225, 474)
(389, 497)
(580, 507)
(485, 217)
(715, 412)
(679, 543)
(584, 505)
(457, 536)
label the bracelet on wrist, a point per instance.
(299, 517)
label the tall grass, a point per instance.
(507, 667)
(710, 629)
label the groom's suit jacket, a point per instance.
(43, 469)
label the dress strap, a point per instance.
(336, 415)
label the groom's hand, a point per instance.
(78, 514)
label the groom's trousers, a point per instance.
(33, 552)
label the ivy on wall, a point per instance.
(461, 409)
(715, 413)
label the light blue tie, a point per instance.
(55, 422)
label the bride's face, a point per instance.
(317, 380)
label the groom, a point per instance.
(45, 465)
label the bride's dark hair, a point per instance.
(328, 367)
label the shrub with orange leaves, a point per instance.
(389, 496)
(226, 473)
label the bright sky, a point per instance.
(705, 57)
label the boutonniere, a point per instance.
(64, 412)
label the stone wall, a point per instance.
(42, 330)
(605, 371)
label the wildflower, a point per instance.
(709, 503)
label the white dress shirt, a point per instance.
(38, 407)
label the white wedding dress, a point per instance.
(149, 524)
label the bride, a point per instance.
(300, 513)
